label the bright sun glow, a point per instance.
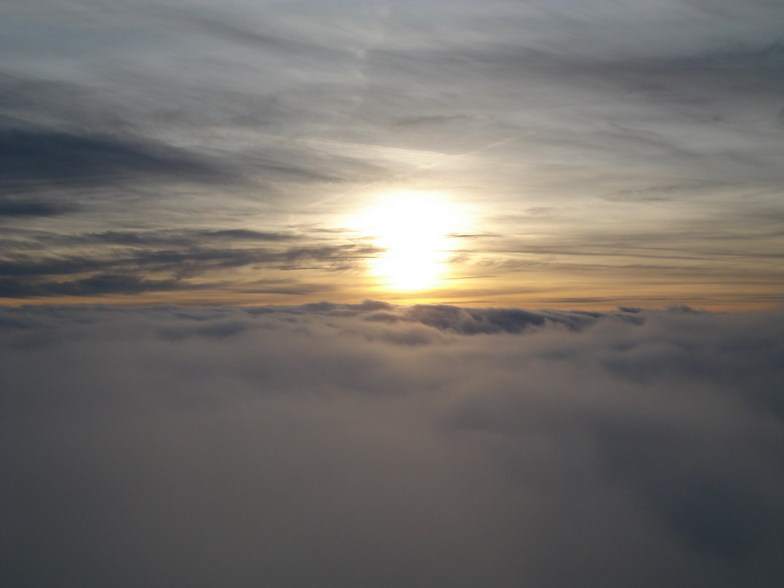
(413, 230)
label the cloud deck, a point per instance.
(385, 445)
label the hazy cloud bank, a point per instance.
(378, 445)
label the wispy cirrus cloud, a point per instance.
(618, 119)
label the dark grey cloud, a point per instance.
(385, 445)
(25, 207)
(186, 238)
(130, 273)
(141, 239)
(659, 193)
(95, 285)
(32, 158)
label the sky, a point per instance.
(543, 154)
(395, 294)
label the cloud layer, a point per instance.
(384, 445)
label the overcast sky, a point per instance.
(590, 153)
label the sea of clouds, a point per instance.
(376, 445)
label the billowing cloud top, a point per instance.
(611, 152)
(385, 445)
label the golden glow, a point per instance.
(413, 230)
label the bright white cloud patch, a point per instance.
(375, 445)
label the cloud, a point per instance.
(238, 32)
(638, 125)
(385, 445)
(169, 260)
(22, 207)
(173, 238)
(133, 271)
(32, 158)
(94, 285)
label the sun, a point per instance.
(412, 229)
